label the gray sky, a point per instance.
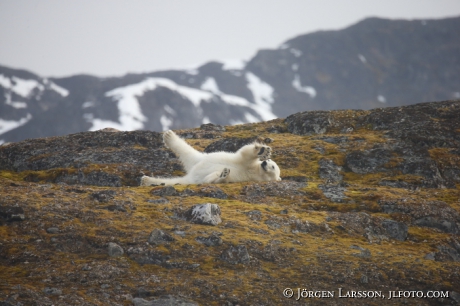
(114, 37)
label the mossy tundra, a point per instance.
(369, 202)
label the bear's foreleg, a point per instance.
(253, 152)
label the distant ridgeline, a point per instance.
(374, 63)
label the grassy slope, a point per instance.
(320, 260)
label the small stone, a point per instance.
(103, 195)
(430, 256)
(157, 236)
(455, 296)
(165, 191)
(12, 213)
(158, 201)
(105, 286)
(116, 208)
(86, 268)
(164, 301)
(52, 230)
(365, 253)
(115, 250)
(212, 127)
(395, 230)
(364, 279)
(212, 240)
(52, 291)
(236, 254)
(284, 212)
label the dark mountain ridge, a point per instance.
(374, 63)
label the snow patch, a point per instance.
(236, 73)
(99, 124)
(362, 58)
(15, 104)
(88, 104)
(296, 52)
(166, 123)
(250, 118)
(210, 85)
(131, 117)
(25, 87)
(88, 117)
(4, 81)
(235, 100)
(311, 91)
(233, 64)
(283, 46)
(169, 110)
(192, 71)
(263, 96)
(130, 114)
(8, 125)
(235, 122)
(381, 99)
(60, 90)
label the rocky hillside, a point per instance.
(369, 203)
(374, 63)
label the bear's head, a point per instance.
(270, 171)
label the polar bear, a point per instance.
(250, 163)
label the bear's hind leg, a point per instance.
(218, 177)
(186, 153)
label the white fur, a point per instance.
(250, 163)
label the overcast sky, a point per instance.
(114, 37)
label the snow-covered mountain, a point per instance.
(374, 63)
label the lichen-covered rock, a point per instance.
(212, 240)
(103, 195)
(125, 153)
(309, 123)
(329, 171)
(207, 191)
(12, 213)
(257, 191)
(208, 214)
(434, 214)
(334, 192)
(363, 162)
(157, 236)
(115, 250)
(232, 144)
(374, 228)
(395, 230)
(165, 191)
(236, 254)
(164, 301)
